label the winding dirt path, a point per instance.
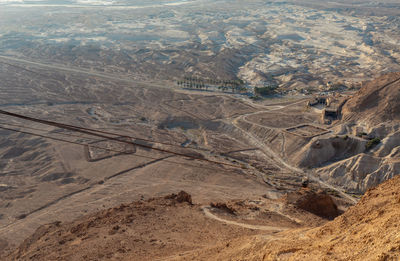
(208, 214)
(277, 159)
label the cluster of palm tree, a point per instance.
(192, 85)
(223, 85)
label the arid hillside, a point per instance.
(144, 230)
(367, 231)
(371, 228)
(376, 102)
(172, 228)
(362, 149)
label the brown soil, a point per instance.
(367, 231)
(144, 230)
(169, 227)
(371, 228)
(164, 228)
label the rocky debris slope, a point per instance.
(371, 228)
(376, 102)
(323, 150)
(172, 227)
(367, 231)
(143, 230)
(318, 203)
(360, 172)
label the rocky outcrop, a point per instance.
(322, 150)
(370, 228)
(361, 172)
(367, 231)
(182, 196)
(318, 203)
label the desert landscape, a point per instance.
(106, 155)
(296, 45)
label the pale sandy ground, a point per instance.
(295, 44)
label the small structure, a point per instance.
(332, 106)
(318, 100)
(331, 113)
(104, 149)
(307, 131)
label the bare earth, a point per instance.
(68, 195)
(170, 228)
